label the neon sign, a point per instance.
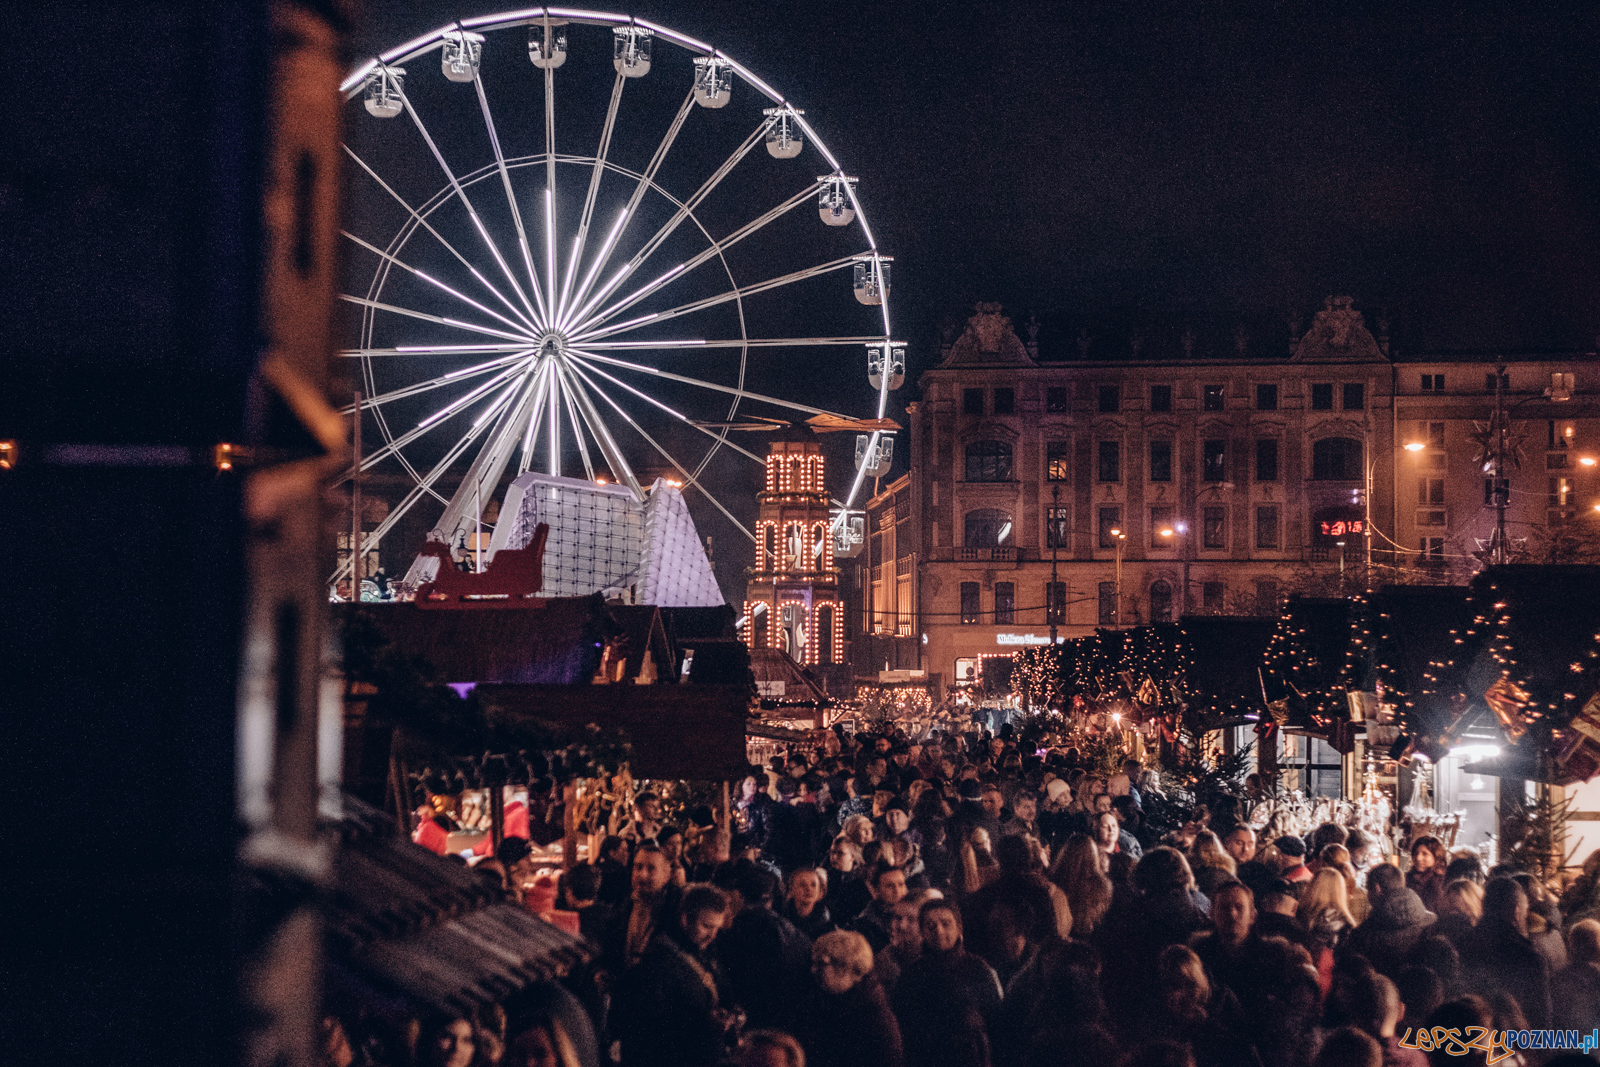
(1343, 527)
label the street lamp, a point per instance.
(1055, 547)
(1372, 464)
(1176, 531)
(1120, 539)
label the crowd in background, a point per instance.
(969, 902)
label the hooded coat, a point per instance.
(1393, 927)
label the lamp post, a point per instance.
(1055, 546)
(1120, 540)
(1366, 529)
(1183, 599)
(1496, 460)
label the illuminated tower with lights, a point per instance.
(792, 600)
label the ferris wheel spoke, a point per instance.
(423, 487)
(535, 414)
(743, 394)
(577, 429)
(714, 248)
(426, 225)
(620, 468)
(431, 280)
(379, 399)
(753, 342)
(646, 182)
(436, 419)
(713, 301)
(505, 182)
(435, 350)
(687, 207)
(423, 315)
(589, 198)
(689, 479)
(539, 316)
(680, 416)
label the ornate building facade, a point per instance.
(792, 600)
(1156, 487)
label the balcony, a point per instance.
(965, 554)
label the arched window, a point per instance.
(1160, 602)
(1336, 459)
(772, 548)
(988, 461)
(988, 528)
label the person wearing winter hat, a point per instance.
(1292, 862)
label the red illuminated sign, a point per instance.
(1341, 527)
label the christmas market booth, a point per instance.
(1469, 714)
(541, 721)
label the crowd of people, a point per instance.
(968, 902)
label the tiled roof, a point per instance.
(412, 925)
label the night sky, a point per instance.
(1127, 168)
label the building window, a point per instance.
(1161, 518)
(1111, 461)
(1110, 519)
(1433, 383)
(1434, 433)
(1432, 549)
(1058, 461)
(988, 461)
(1212, 397)
(1355, 396)
(1430, 491)
(987, 528)
(1161, 461)
(972, 401)
(1322, 396)
(1160, 602)
(1434, 517)
(1267, 526)
(1560, 492)
(969, 603)
(825, 633)
(1055, 399)
(1055, 603)
(1108, 604)
(1211, 597)
(1005, 401)
(1214, 528)
(1491, 378)
(1266, 597)
(1005, 603)
(1110, 399)
(1267, 459)
(1266, 396)
(1215, 466)
(1336, 459)
(1057, 527)
(1161, 398)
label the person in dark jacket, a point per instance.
(1576, 990)
(667, 1011)
(1015, 907)
(1499, 957)
(805, 905)
(1396, 922)
(1426, 876)
(1157, 913)
(845, 1019)
(948, 999)
(763, 957)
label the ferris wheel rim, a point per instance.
(563, 375)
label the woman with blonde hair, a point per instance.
(845, 1019)
(1212, 864)
(978, 866)
(1460, 907)
(857, 829)
(1337, 857)
(1324, 915)
(1080, 872)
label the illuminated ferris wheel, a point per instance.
(602, 288)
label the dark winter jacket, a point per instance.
(852, 1029)
(1394, 926)
(946, 1003)
(1496, 957)
(764, 959)
(664, 1009)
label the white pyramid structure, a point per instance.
(603, 541)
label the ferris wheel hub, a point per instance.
(552, 343)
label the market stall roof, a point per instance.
(1225, 653)
(780, 678)
(691, 732)
(556, 643)
(404, 924)
(1418, 625)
